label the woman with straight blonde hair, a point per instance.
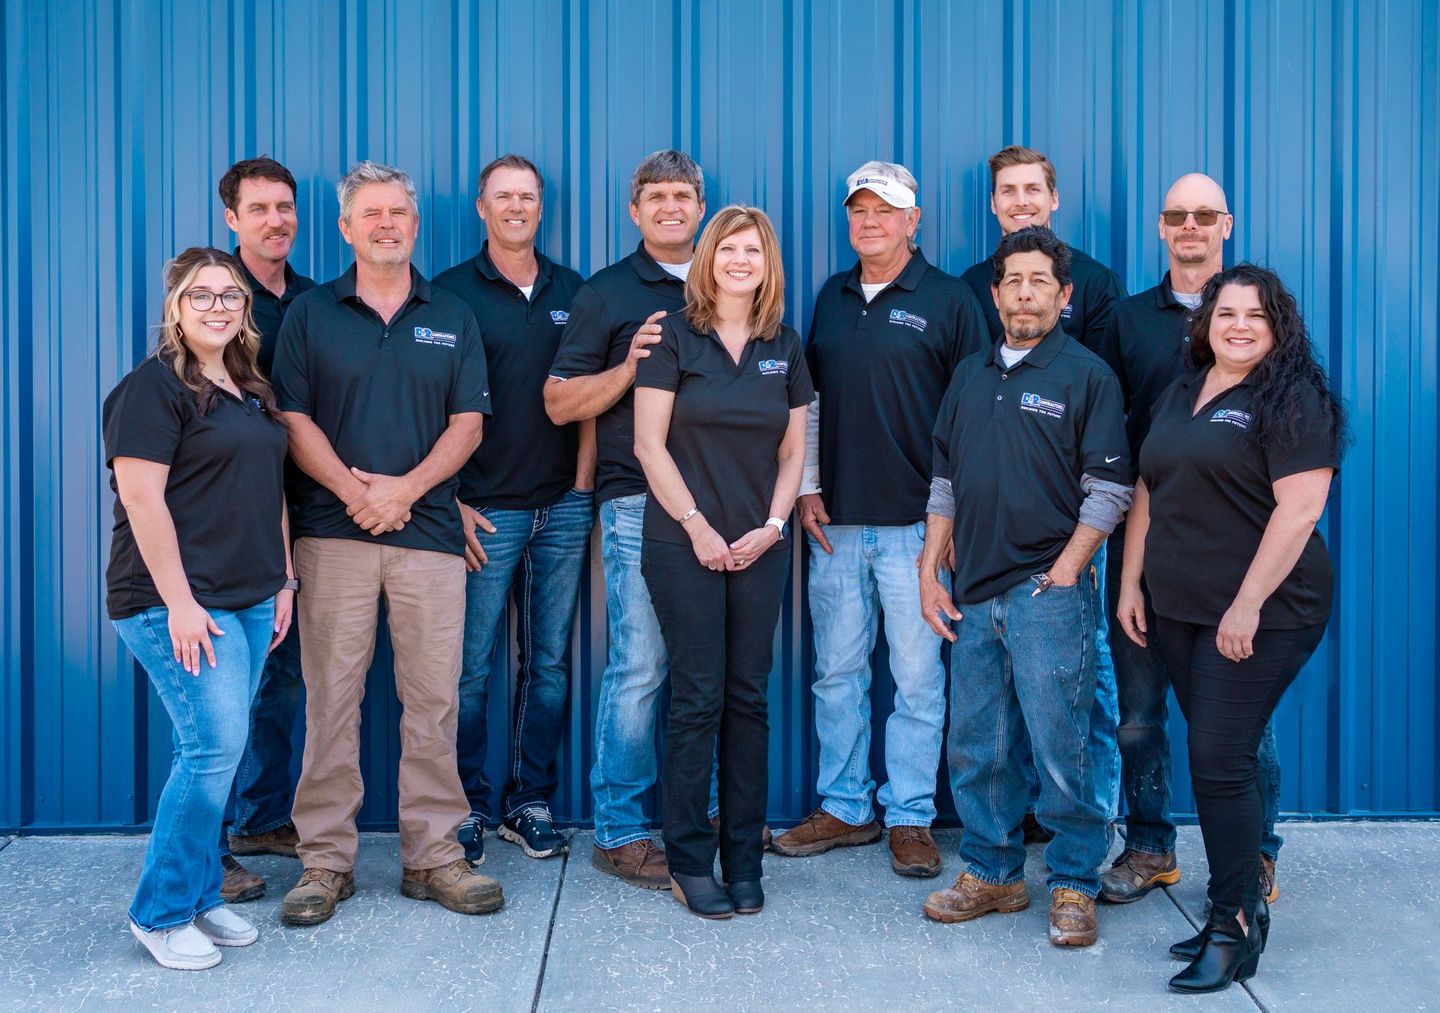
(720, 406)
(199, 585)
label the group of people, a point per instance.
(291, 454)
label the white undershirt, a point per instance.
(526, 290)
(1010, 356)
(871, 291)
(1190, 300)
(681, 271)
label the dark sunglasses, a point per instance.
(1203, 217)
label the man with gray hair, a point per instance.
(884, 339)
(381, 382)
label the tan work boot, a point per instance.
(454, 886)
(970, 898)
(280, 841)
(821, 832)
(1269, 888)
(1136, 873)
(639, 863)
(913, 852)
(239, 883)
(1072, 918)
(313, 899)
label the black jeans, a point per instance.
(1227, 705)
(719, 629)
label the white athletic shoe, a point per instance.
(182, 948)
(224, 927)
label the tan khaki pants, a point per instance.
(341, 581)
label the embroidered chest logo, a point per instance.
(1237, 418)
(908, 319)
(559, 316)
(425, 336)
(774, 367)
(1068, 311)
(1041, 406)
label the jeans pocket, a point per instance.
(585, 494)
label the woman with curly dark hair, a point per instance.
(1234, 476)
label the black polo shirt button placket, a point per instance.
(605, 314)
(268, 310)
(525, 461)
(382, 393)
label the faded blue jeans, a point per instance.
(1026, 663)
(535, 558)
(872, 570)
(210, 716)
(626, 715)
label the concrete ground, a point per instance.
(1357, 926)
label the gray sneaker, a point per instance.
(224, 927)
(183, 948)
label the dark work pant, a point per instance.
(719, 629)
(1227, 705)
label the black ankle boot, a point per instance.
(702, 895)
(746, 895)
(1223, 958)
(1189, 949)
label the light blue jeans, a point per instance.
(635, 671)
(210, 713)
(872, 570)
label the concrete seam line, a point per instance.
(550, 929)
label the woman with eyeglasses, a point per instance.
(200, 583)
(1234, 476)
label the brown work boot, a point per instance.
(454, 886)
(313, 899)
(1072, 918)
(970, 898)
(239, 884)
(821, 832)
(639, 863)
(280, 841)
(1034, 832)
(913, 852)
(766, 837)
(1136, 873)
(1269, 888)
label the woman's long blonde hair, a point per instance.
(240, 355)
(768, 305)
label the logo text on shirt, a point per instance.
(774, 367)
(908, 319)
(1233, 416)
(559, 316)
(1041, 406)
(425, 336)
(1068, 311)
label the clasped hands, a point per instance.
(382, 503)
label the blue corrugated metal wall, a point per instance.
(1320, 119)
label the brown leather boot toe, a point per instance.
(970, 898)
(913, 852)
(280, 841)
(239, 884)
(766, 836)
(820, 832)
(313, 899)
(639, 863)
(1269, 887)
(454, 886)
(1136, 873)
(1072, 918)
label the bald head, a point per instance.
(1199, 224)
(1195, 190)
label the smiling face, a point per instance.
(740, 263)
(1022, 197)
(382, 226)
(207, 332)
(264, 219)
(1029, 297)
(1240, 334)
(879, 231)
(1191, 242)
(668, 215)
(510, 207)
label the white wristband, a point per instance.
(778, 523)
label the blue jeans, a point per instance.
(873, 569)
(1027, 663)
(264, 790)
(635, 670)
(535, 559)
(210, 714)
(1144, 690)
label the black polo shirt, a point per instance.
(1014, 443)
(268, 309)
(382, 394)
(607, 311)
(882, 368)
(1211, 495)
(727, 423)
(1145, 344)
(223, 491)
(525, 461)
(1097, 290)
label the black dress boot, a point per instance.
(747, 896)
(1189, 949)
(702, 895)
(1223, 958)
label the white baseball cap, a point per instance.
(890, 189)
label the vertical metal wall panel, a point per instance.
(1322, 121)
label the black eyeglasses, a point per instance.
(1203, 217)
(202, 299)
